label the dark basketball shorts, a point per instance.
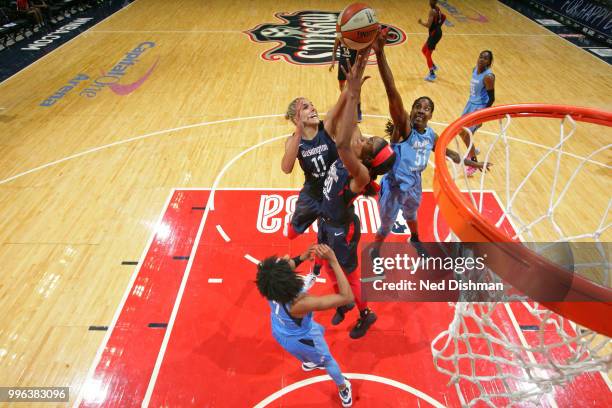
(343, 239)
(307, 210)
(433, 40)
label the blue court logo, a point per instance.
(110, 79)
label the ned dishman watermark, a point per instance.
(478, 272)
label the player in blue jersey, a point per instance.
(292, 308)
(412, 141)
(434, 25)
(347, 56)
(360, 160)
(482, 95)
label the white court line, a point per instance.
(446, 34)
(549, 397)
(321, 280)
(160, 132)
(69, 41)
(354, 376)
(235, 159)
(215, 280)
(120, 142)
(179, 296)
(177, 302)
(604, 375)
(223, 234)
(252, 259)
(167, 31)
(111, 327)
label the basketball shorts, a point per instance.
(307, 210)
(310, 347)
(344, 240)
(433, 40)
(473, 107)
(392, 198)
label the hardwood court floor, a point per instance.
(83, 181)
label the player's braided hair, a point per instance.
(389, 127)
(276, 281)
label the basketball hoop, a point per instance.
(588, 303)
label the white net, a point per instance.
(545, 189)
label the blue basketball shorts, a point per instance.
(391, 199)
(473, 107)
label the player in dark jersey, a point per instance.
(291, 312)
(315, 149)
(312, 145)
(434, 24)
(360, 160)
(347, 56)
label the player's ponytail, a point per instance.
(290, 114)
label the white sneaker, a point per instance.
(308, 366)
(346, 395)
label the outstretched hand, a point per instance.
(380, 40)
(309, 253)
(480, 165)
(300, 115)
(325, 252)
(354, 74)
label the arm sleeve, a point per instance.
(491, 94)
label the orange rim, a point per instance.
(592, 303)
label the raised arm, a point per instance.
(489, 82)
(333, 116)
(333, 62)
(430, 19)
(347, 125)
(344, 296)
(455, 157)
(331, 119)
(399, 116)
(292, 143)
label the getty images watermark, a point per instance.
(479, 272)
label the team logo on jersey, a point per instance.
(306, 37)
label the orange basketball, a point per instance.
(357, 25)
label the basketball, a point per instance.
(357, 25)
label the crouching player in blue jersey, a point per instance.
(412, 141)
(292, 308)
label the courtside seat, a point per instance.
(12, 25)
